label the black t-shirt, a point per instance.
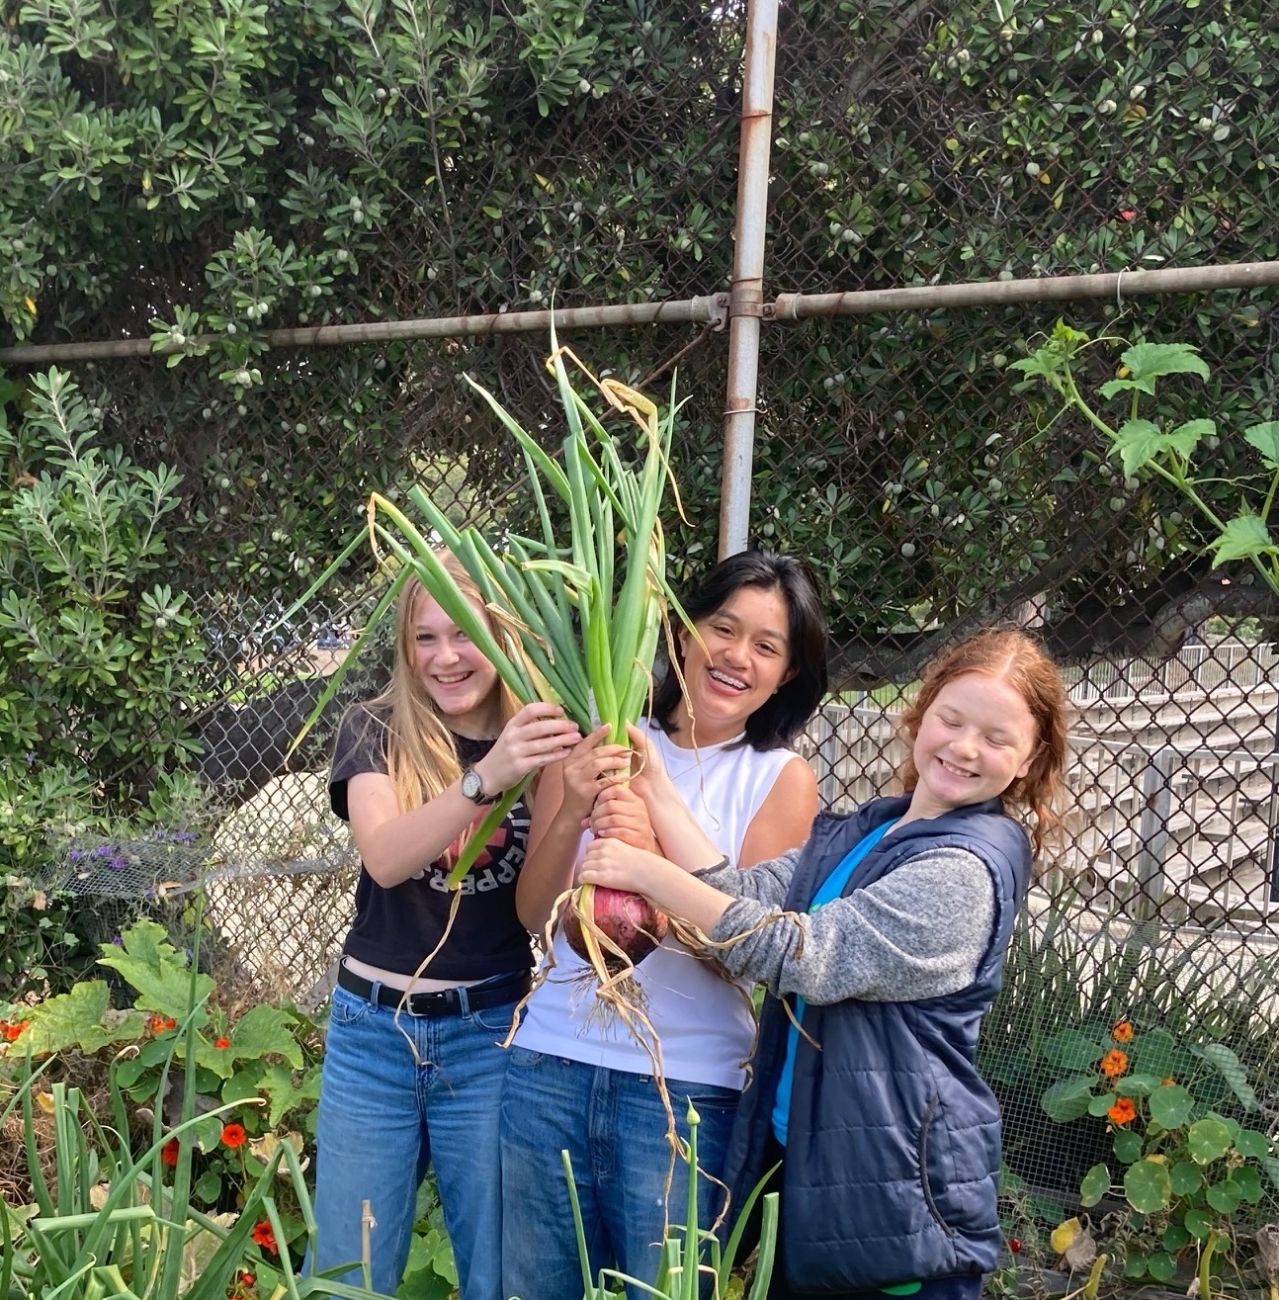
(395, 928)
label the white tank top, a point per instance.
(703, 1020)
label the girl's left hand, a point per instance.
(618, 865)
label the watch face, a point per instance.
(472, 786)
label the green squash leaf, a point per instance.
(1265, 438)
(1244, 537)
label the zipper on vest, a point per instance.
(922, 1148)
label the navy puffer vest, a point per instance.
(892, 1160)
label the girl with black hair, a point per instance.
(751, 680)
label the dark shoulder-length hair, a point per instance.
(782, 716)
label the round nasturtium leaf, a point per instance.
(1162, 1266)
(1248, 1180)
(1127, 1147)
(1207, 1140)
(1186, 1178)
(1135, 1265)
(1095, 1185)
(1224, 1197)
(1175, 1237)
(1199, 1224)
(1148, 1186)
(1251, 1143)
(1171, 1105)
(208, 1186)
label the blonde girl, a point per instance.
(413, 1068)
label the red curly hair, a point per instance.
(1011, 656)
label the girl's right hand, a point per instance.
(590, 767)
(535, 736)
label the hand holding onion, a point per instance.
(648, 776)
(590, 767)
(616, 864)
(620, 813)
(538, 734)
(621, 913)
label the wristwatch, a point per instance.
(473, 787)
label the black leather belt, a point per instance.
(439, 1002)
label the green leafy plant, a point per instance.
(254, 1081)
(431, 1270)
(1183, 1164)
(325, 163)
(95, 657)
(39, 945)
(1166, 448)
(109, 1222)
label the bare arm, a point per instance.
(782, 821)
(676, 829)
(785, 818)
(395, 845)
(671, 888)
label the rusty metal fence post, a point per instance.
(746, 299)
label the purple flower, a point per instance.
(118, 863)
(183, 837)
(105, 851)
(115, 939)
(76, 855)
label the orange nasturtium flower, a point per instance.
(159, 1024)
(233, 1135)
(1122, 1032)
(1124, 1111)
(264, 1236)
(169, 1152)
(1114, 1063)
(11, 1031)
(222, 1043)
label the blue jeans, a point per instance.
(614, 1128)
(383, 1118)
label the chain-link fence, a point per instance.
(896, 452)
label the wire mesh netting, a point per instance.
(897, 453)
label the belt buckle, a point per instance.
(435, 1002)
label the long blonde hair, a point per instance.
(421, 756)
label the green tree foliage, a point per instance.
(97, 658)
(1002, 141)
(229, 167)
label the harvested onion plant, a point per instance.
(693, 1263)
(586, 609)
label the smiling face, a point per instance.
(745, 659)
(461, 682)
(975, 739)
